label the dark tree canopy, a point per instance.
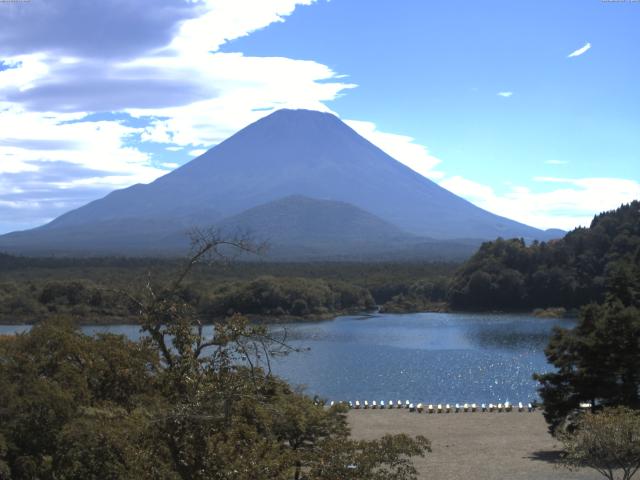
(570, 272)
(597, 362)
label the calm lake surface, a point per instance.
(424, 357)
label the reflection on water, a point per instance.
(427, 357)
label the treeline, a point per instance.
(422, 295)
(297, 297)
(97, 290)
(267, 297)
(571, 272)
(82, 300)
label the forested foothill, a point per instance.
(570, 272)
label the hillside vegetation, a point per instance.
(571, 272)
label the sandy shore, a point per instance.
(466, 446)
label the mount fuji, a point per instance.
(301, 178)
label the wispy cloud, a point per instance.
(556, 162)
(505, 94)
(572, 203)
(580, 51)
(401, 147)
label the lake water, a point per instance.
(424, 357)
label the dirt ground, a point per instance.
(482, 446)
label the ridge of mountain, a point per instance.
(287, 153)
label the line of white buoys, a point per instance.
(439, 408)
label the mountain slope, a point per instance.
(302, 228)
(300, 220)
(289, 152)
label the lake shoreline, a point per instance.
(550, 313)
(255, 319)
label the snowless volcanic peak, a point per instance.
(287, 153)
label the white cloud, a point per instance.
(401, 147)
(580, 51)
(556, 162)
(226, 20)
(98, 146)
(247, 87)
(197, 152)
(571, 205)
(505, 94)
(170, 165)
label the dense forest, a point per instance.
(95, 290)
(570, 272)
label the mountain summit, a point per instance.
(287, 153)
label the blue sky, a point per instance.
(482, 97)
